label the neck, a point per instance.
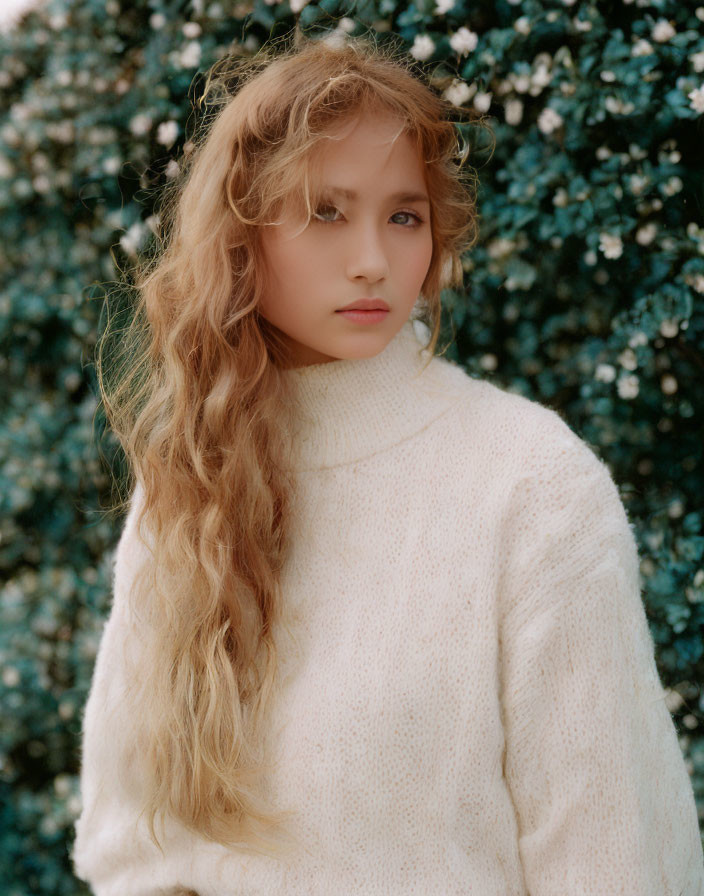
(351, 409)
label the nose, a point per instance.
(367, 258)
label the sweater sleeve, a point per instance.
(603, 801)
(112, 850)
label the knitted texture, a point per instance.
(468, 701)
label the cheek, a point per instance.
(280, 263)
(418, 261)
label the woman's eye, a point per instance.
(416, 219)
(327, 214)
(323, 211)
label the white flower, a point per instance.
(642, 47)
(346, 24)
(191, 29)
(513, 111)
(673, 699)
(696, 98)
(540, 78)
(549, 120)
(459, 92)
(172, 169)
(500, 247)
(521, 83)
(636, 151)
(522, 25)
(464, 41)
(638, 338)
(668, 384)
(662, 31)
(489, 361)
(443, 6)
(672, 185)
(581, 24)
(482, 101)
(605, 373)
(114, 218)
(62, 785)
(157, 20)
(698, 283)
(637, 183)
(646, 234)
(59, 21)
(166, 133)
(669, 328)
(10, 677)
(189, 57)
(111, 165)
(608, 76)
(697, 60)
(617, 106)
(140, 124)
(611, 245)
(20, 112)
(561, 198)
(628, 359)
(335, 38)
(132, 239)
(423, 47)
(152, 223)
(628, 386)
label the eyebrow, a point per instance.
(401, 196)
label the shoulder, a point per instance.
(517, 437)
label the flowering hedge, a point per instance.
(584, 292)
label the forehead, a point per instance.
(365, 146)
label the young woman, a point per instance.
(377, 625)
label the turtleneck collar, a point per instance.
(350, 409)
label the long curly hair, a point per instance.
(194, 390)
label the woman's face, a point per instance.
(369, 238)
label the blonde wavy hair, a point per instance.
(193, 389)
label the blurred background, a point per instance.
(585, 292)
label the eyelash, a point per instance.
(418, 219)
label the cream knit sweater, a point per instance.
(474, 706)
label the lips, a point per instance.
(366, 305)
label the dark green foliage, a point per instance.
(584, 292)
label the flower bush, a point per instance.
(584, 292)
